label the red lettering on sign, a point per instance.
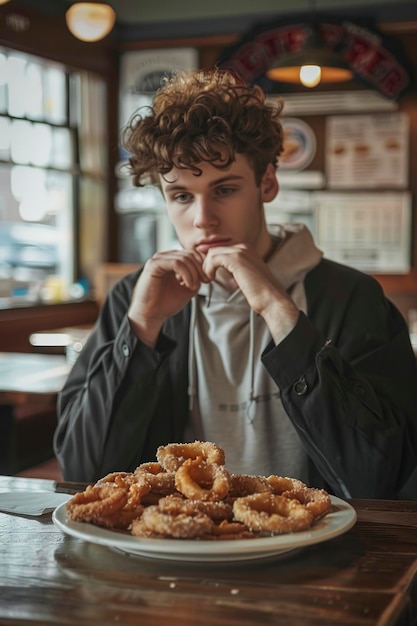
(332, 34)
(249, 62)
(394, 82)
(362, 49)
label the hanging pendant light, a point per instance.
(315, 64)
(90, 21)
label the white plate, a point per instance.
(341, 519)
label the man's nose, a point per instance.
(204, 212)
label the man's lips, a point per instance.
(204, 246)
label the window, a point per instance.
(52, 177)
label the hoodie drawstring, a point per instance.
(191, 363)
(191, 390)
(251, 409)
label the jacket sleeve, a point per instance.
(350, 389)
(109, 402)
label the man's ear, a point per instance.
(269, 184)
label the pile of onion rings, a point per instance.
(188, 493)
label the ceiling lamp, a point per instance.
(315, 64)
(4, 1)
(90, 21)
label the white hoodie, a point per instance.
(234, 401)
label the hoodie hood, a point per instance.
(295, 255)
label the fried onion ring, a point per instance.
(230, 530)
(245, 484)
(317, 501)
(199, 480)
(266, 512)
(173, 455)
(96, 501)
(176, 504)
(154, 475)
(139, 529)
(180, 526)
(119, 520)
(119, 479)
(279, 484)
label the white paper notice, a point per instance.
(367, 151)
(369, 231)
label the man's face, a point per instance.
(219, 207)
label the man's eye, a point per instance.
(182, 198)
(224, 191)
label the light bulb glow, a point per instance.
(90, 21)
(310, 75)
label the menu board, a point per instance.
(367, 151)
(369, 231)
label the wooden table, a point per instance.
(367, 576)
(26, 379)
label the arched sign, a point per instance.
(371, 56)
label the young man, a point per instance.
(245, 336)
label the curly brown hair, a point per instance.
(203, 116)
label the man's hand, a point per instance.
(167, 283)
(264, 293)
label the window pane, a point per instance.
(93, 203)
(21, 142)
(36, 229)
(34, 99)
(29, 191)
(3, 83)
(16, 80)
(62, 153)
(55, 96)
(4, 138)
(92, 123)
(41, 154)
